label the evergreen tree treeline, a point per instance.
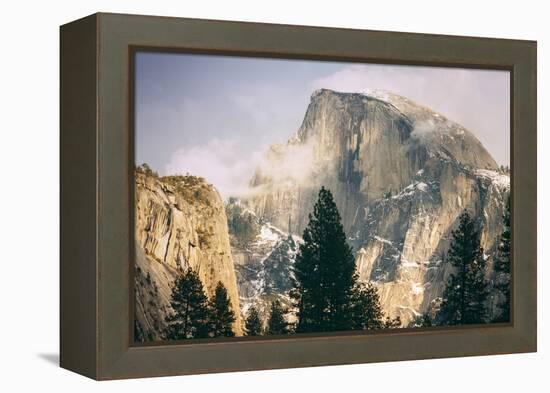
(326, 291)
(253, 324)
(502, 268)
(221, 314)
(327, 295)
(240, 223)
(190, 318)
(276, 323)
(465, 296)
(366, 310)
(194, 316)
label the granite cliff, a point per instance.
(180, 222)
(400, 174)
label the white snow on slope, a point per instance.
(499, 179)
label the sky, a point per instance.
(214, 116)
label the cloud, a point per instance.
(220, 162)
(422, 129)
(288, 164)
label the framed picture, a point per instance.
(241, 196)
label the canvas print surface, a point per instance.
(287, 197)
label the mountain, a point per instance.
(264, 268)
(180, 222)
(401, 174)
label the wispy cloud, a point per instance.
(288, 164)
(220, 163)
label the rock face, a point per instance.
(153, 289)
(400, 174)
(264, 269)
(180, 222)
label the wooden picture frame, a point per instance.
(96, 185)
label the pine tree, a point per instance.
(189, 302)
(222, 316)
(464, 298)
(392, 323)
(502, 267)
(324, 271)
(253, 324)
(365, 307)
(422, 320)
(276, 323)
